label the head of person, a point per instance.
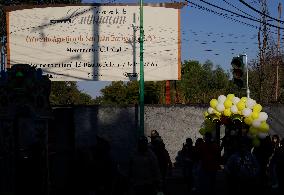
(208, 137)
(275, 139)
(154, 133)
(199, 142)
(188, 141)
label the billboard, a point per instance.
(96, 42)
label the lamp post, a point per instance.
(141, 83)
(246, 64)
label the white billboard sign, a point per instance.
(96, 42)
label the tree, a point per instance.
(125, 93)
(64, 93)
(199, 83)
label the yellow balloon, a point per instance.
(257, 108)
(205, 114)
(218, 113)
(230, 96)
(213, 103)
(241, 105)
(253, 130)
(264, 127)
(255, 115)
(248, 120)
(227, 112)
(228, 103)
(244, 99)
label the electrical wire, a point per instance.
(240, 15)
(221, 14)
(239, 9)
(252, 8)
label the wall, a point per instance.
(174, 123)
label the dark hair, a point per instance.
(188, 140)
(154, 133)
(276, 136)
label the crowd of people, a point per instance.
(247, 168)
(148, 167)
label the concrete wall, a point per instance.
(174, 123)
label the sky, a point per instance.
(208, 36)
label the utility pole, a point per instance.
(247, 80)
(168, 92)
(278, 54)
(262, 47)
(141, 82)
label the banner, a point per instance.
(96, 42)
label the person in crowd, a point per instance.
(102, 167)
(187, 153)
(227, 143)
(154, 135)
(271, 166)
(262, 154)
(144, 172)
(210, 162)
(196, 183)
(275, 142)
(242, 170)
(163, 157)
(279, 166)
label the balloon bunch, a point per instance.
(230, 107)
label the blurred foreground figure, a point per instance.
(209, 165)
(144, 170)
(279, 166)
(242, 170)
(102, 167)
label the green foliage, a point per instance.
(119, 93)
(199, 84)
(64, 93)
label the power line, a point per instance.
(239, 9)
(224, 15)
(240, 15)
(249, 6)
(220, 14)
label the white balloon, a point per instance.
(236, 100)
(210, 110)
(250, 103)
(263, 116)
(246, 112)
(256, 123)
(262, 135)
(222, 99)
(220, 107)
(234, 109)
